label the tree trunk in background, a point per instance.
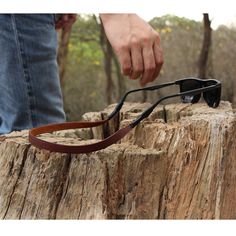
(144, 96)
(107, 52)
(109, 56)
(108, 71)
(62, 54)
(234, 94)
(205, 47)
(120, 78)
(177, 164)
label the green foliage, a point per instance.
(173, 21)
(84, 73)
(84, 45)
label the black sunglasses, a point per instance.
(190, 92)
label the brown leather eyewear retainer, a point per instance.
(74, 149)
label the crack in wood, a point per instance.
(18, 177)
(164, 114)
(62, 184)
(83, 185)
(106, 192)
(122, 198)
(28, 185)
(25, 195)
(160, 201)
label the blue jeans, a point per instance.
(30, 93)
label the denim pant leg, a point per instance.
(30, 93)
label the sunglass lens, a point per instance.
(212, 97)
(187, 86)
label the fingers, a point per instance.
(69, 18)
(137, 61)
(149, 65)
(158, 54)
(65, 17)
(58, 25)
(142, 61)
(153, 60)
(66, 21)
(124, 57)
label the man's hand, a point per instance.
(66, 21)
(136, 44)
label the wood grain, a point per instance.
(177, 164)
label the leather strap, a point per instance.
(53, 147)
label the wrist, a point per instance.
(106, 17)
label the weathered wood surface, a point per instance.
(179, 163)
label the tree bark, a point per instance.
(62, 54)
(177, 164)
(120, 78)
(144, 96)
(205, 47)
(107, 53)
(108, 71)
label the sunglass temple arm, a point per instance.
(120, 104)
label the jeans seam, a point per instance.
(24, 64)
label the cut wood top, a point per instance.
(163, 117)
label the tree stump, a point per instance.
(177, 164)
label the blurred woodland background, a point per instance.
(90, 74)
